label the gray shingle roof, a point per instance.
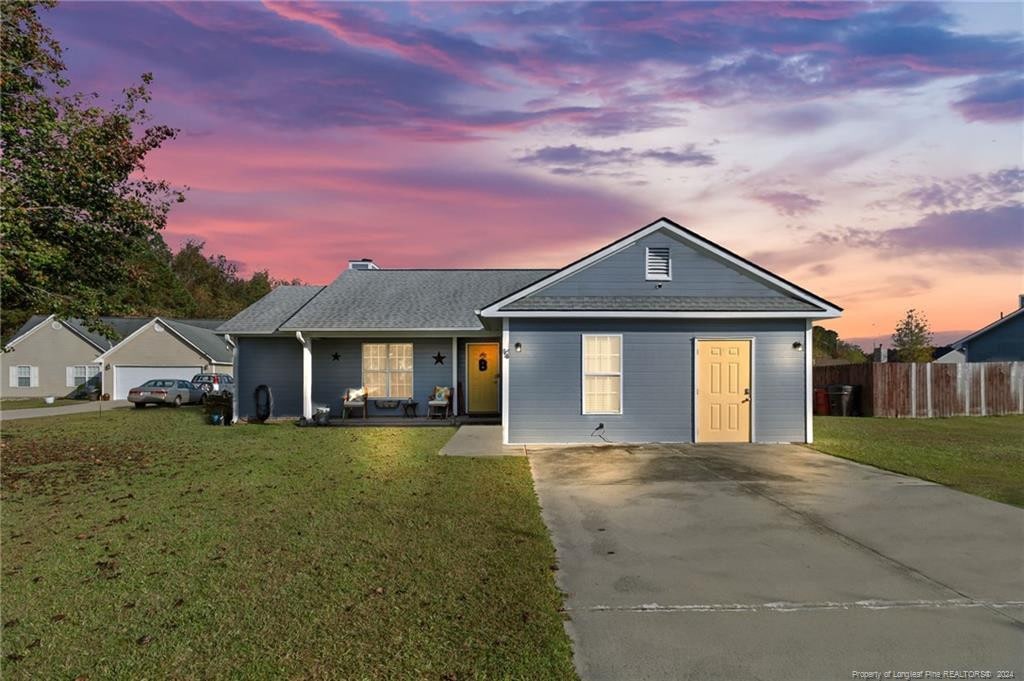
(208, 342)
(271, 311)
(660, 304)
(409, 299)
(121, 325)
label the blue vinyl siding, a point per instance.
(694, 273)
(276, 362)
(1004, 343)
(332, 377)
(545, 380)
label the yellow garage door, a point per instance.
(723, 391)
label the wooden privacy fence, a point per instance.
(932, 390)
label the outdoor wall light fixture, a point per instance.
(519, 347)
(798, 346)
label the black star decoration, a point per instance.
(439, 358)
(335, 357)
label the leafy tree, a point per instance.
(827, 344)
(213, 282)
(77, 209)
(912, 338)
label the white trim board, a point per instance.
(695, 240)
(796, 314)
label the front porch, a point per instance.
(400, 373)
(413, 421)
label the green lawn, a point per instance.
(980, 455)
(144, 544)
(33, 403)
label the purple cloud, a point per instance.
(574, 159)
(789, 203)
(603, 68)
(975, 190)
(998, 98)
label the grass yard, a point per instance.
(144, 544)
(34, 403)
(980, 455)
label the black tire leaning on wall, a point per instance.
(264, 402)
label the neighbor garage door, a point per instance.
(126, 378)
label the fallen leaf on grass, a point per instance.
(144, 640)
(58, 617)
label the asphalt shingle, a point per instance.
(409, 299)
(268, 313)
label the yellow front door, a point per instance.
(723, 391)
(483, 378)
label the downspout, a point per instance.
(234, 372)
(307, 374)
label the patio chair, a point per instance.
(354, 398)
(439, 404)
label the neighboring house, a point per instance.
(948, 355)
(162, 348)
(660, 336)
(49, 356)
(1000, 341)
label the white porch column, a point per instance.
(809, 377)
(455, 376)
(505, 352)
(307, 374)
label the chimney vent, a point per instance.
(362, 264)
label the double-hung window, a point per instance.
(602, 374)
(24, 376)
(387, 370)
(80, 374)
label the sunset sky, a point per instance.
(869, 152)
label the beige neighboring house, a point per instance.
(52, 357)
(164, 348)
(55, 357)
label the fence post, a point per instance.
(913, 390)
(967, 385)
(983, 405)
(928, 387)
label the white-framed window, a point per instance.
(24, 376)
(602, 374)
(387, 370)
(81, 374)
(658, 263)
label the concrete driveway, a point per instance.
(86, 407)
(776, 562)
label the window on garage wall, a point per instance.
(388, 370)
(602, 374)
(80, 374)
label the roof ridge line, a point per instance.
(300, 307)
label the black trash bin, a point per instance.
(840, 400)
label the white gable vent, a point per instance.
(659, 264)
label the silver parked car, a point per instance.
(172, 391)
